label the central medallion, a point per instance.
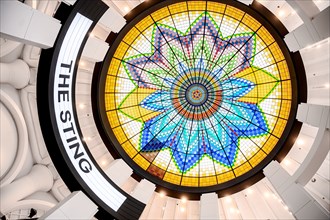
(196, 94)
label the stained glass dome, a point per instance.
(198, 93)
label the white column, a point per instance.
(243, 205)
(143, 191)
(193, 210)
(76, 206)
(209, 206)
(291, 188)
(321, 23)
(22, 23)
(39, 179)
(169, 209)
(119, 172)
(113, 20)
(317, 116)
(16, 74)
(314, 115)
(95, 49)
(309, 8)
(156, 209)
(311, 31)
(298, 200)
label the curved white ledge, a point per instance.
(30, 112)
(23, 142)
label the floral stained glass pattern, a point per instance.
(198, 93)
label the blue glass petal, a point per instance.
(157, 101)
(221, 157)
(148, 142)
(164, 128)
(222, 143)
(193, 142)
(185, 161)
(247, 119)
(258, 125)
(191, 160)
(235, 88)
(183, 140)
(179, 158)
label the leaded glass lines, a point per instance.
(198, 93)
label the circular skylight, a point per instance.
(198, 93)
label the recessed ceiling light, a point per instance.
(300, 142)
(309, 46)
(162, 194)
(287, 162)
(87, 138)
(228, 199)
(126, 9)
(34, 4)
(249, 191)
(281, 13)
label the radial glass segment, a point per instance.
(198, 93)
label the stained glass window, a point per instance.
(198, 93)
